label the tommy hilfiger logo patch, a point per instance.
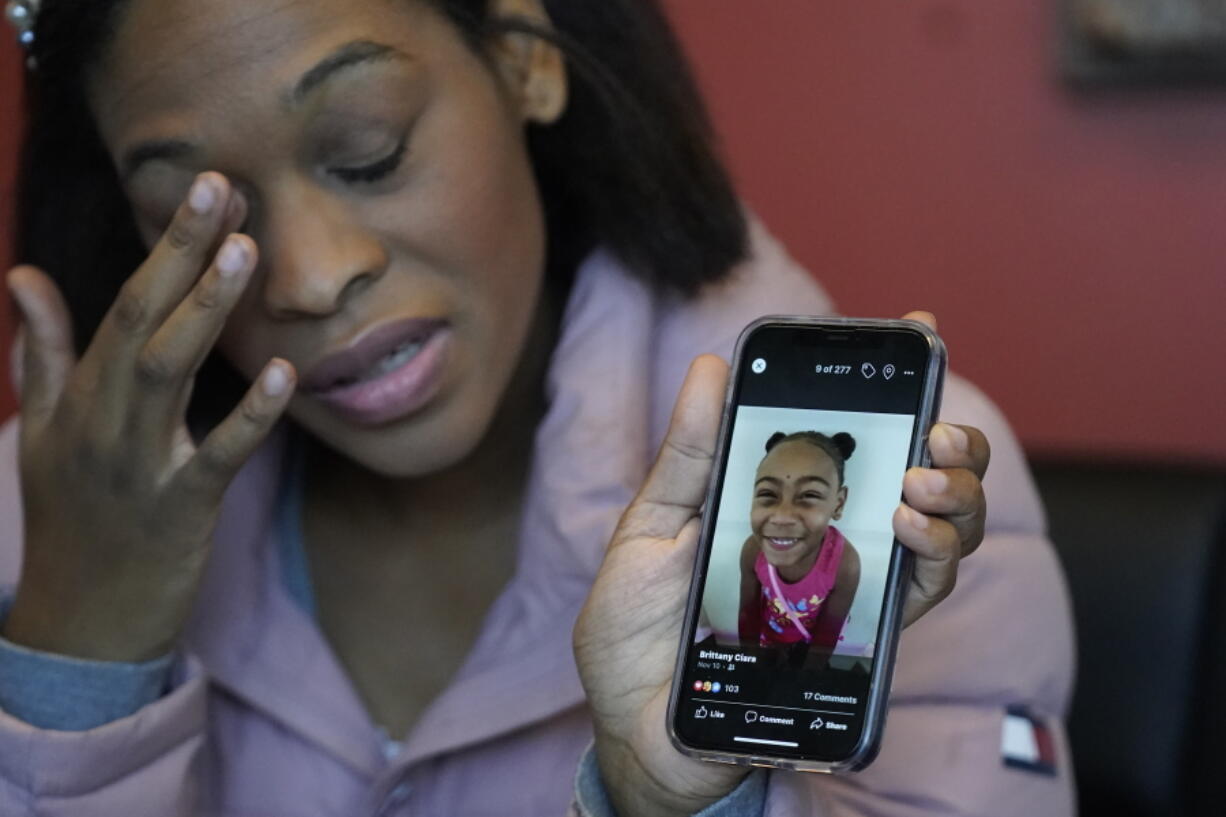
(1026, 743)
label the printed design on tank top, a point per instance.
(789, 612)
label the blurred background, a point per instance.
(1060, 208)
(929, 155)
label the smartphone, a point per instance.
(796, 600)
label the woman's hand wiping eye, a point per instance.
(114, 579)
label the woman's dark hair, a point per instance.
(630, 165)
(838, 447)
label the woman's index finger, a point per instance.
(179, 258)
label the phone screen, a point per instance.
(800, 558)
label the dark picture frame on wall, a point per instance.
(1143, 42)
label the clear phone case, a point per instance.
(899, 571)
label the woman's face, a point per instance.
(796, 494)
(390, 193)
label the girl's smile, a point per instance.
(781, 543)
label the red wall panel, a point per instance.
(925, 155)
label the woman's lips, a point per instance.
(391, 371)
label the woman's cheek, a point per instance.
(241, 348)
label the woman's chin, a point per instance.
(401, 450)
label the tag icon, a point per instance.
(868, 370)
(888, 371)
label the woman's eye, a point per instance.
(376, 171)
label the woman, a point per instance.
(466, 249)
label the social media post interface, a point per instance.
(868, 370)
(765, 704)
(784, 646)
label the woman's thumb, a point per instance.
(674, 489)
(48, 355)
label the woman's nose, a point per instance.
(315, 254)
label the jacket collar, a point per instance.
(590, 454)
(622, 353)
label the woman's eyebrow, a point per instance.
(358, 52)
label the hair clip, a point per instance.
(22, 14)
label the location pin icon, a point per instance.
(888, 371)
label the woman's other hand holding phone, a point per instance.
(943, 514)
(119, 502)
(627, 635)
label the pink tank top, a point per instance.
(788, 612)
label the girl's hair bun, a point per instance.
(775, 439)
(845, 443)
(838, 446)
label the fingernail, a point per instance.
(202, 196)
(232, 258)
(916, 519)
(237, 206)
(276, 380)
(955, 436)
(935, 481)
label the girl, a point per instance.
(798, 573)
(349, 328)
